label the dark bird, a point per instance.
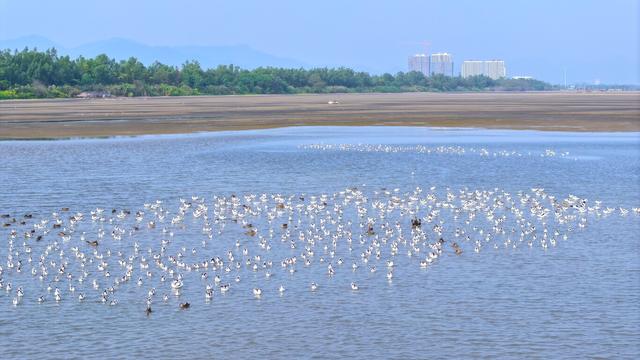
(457, 248)
(370, 230)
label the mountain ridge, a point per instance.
(122, 49)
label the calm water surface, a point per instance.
(579, 299)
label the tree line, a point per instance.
(39, 74)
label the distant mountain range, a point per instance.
(121, 49)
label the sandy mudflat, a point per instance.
(61, 118)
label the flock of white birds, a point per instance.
(212, 245)
(422, 149)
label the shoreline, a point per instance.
(180, 135)
(49, 119)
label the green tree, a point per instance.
(132, 70)
(192, 74)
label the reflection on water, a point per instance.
(510, 298)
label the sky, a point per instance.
(592, 40)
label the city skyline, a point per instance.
(593, 41)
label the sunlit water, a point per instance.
(579, 298)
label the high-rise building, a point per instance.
(472, 68)
(494, 69)
(419, 62)
(441, 63)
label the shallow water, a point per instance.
(577, 299)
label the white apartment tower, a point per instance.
(441, 63)
(472, 68)
(494, 69)
(419, 62)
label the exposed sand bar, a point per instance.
(62, 118)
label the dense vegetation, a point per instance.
(35, 74)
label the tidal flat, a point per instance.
(548, 111)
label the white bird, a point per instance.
(176, 284)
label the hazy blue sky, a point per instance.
(592, 39)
